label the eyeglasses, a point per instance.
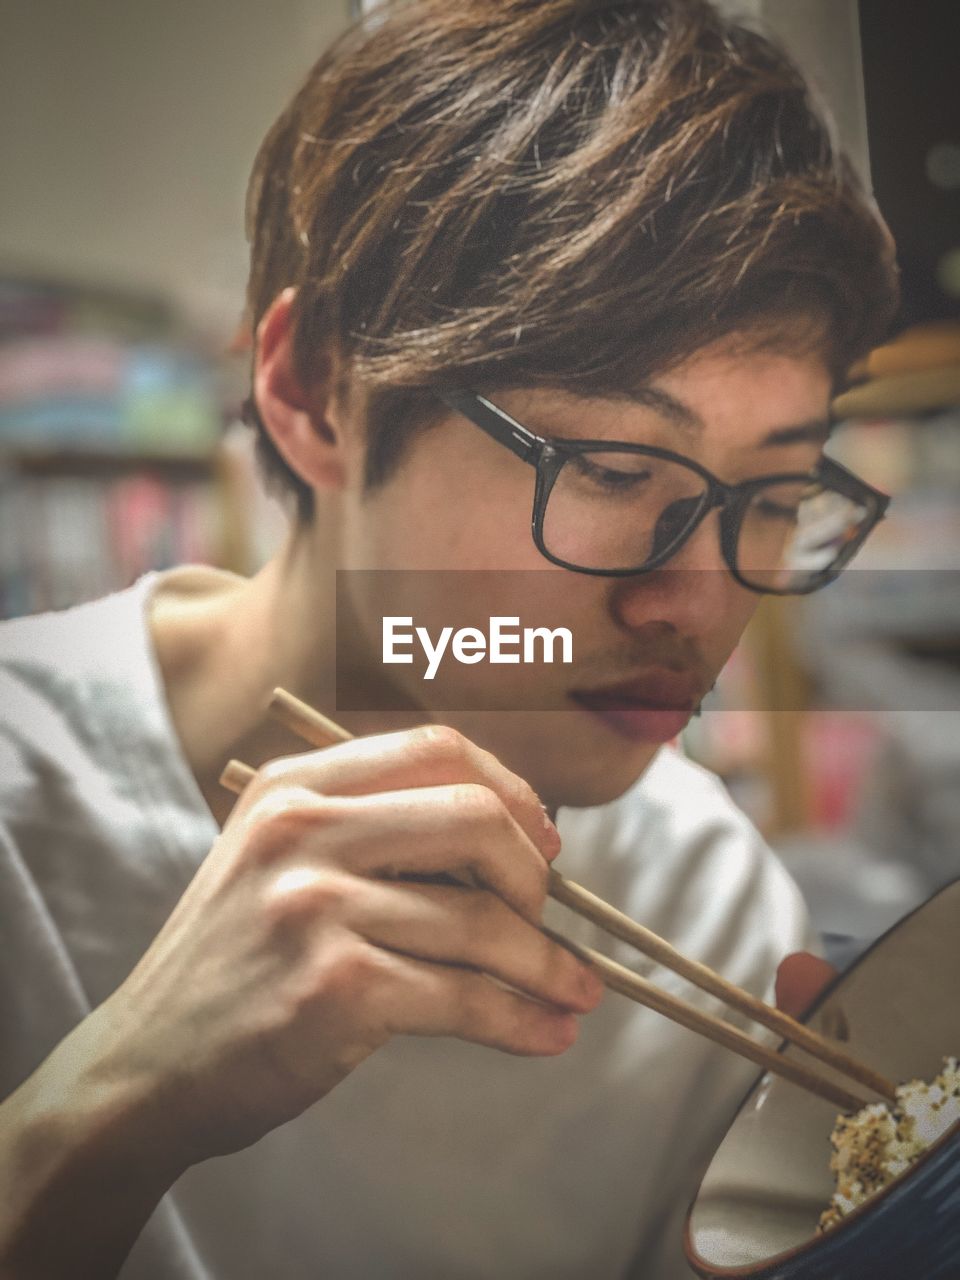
(612, 508)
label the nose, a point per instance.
(694, 592)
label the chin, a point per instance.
(563, 757)
(577, 789)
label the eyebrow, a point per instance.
(815, 430)
(675, 411)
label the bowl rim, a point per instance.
(849, 1220)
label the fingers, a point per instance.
(450, 926)
(432, 755)
(413, 997)
(325, 836)
(463, 829)
(800, 979)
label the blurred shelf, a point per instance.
(901, 394)
(38, 305)
(56, 460)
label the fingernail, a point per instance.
(551, 837)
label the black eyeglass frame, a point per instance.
(548, 457)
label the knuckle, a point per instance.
(329, 894)
(276, 833)
(271, 835)
(302, 894)
(352, 969)
(443, 737)
(286, 898)
(477, 803)
(441, 745)
(282, 821)
(274, 771)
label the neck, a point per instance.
(224, 643)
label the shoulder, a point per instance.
(60, 676)
(53, 649)
(98, 807)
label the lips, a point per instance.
(652, 708)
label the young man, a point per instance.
(611, 222)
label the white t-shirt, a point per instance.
(435, 1159)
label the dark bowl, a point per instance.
(756, 1212)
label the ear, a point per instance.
(301, 419)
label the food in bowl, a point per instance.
(878, 1143)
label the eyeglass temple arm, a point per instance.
(495, 423)
(852, 486)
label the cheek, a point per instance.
(442, 517)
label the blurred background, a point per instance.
(126, 135)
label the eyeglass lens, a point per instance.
(620, 511)
(794, 533)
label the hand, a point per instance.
(800, 979)
(298, 950)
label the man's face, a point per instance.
(461, 501)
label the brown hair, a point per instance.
(564, 192)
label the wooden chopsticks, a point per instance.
(316, 729)
(614, 922)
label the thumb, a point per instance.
(800, 979)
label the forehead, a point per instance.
(719, 394)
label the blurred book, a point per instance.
(73, 538)
(110, 416)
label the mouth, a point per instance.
(653, 708)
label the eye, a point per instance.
(786, 513)
(613, 473)
(783, 503)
